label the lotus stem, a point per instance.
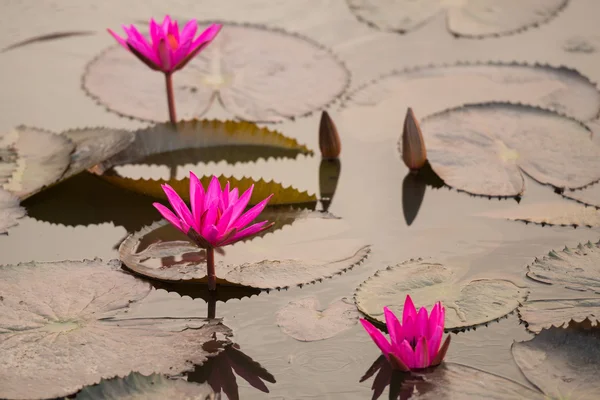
(171, 98)
(210, 268)
(212, 305)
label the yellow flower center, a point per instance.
(173, 43)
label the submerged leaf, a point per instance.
(78, 307)
(484, 149)
(589, 196)
(180, 260)
(302, 77)
(468, 303)
(10, 211)
(305, 321)
(562, 363)
(574, 272)
(238, 141)
(262, 189)
(153, 387)
(474, 18)
(554, 213)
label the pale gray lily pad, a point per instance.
(562, 363)
(305, 321)
(42, 158)
(451, 381)
(63, 326)
(551, 213)
(10, 211)
(37, 158)
(575, 272)
(589, 196)
(468, 303)
(437, 87)
(503, 141)
(182, 261)
(303, 77)
(153, 387)
(473, 18)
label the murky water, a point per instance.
(86, 217)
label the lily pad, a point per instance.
(234, 70)
(305, 321)
(78, 307)
(474, 18)
(562, 363)
(553, 213)
(484, 149)
(153, 387)
(235, 141)
(559, 89)
(180, 260)
(447, 381)
(468, 303)
(589, 196)
(10, 211)
(41, 158)
(281, 195)
(575, 272)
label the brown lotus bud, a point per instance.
(329, 140)
(414, 153)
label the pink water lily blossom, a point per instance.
(216, 217)
(168, 49)
(415, 343)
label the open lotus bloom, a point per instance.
(168, 49)
(217, 216)
(414, 343)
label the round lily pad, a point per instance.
(437, 87)
(180, 260)
(10, 211)
(562, 363)
(79, 307)
(468, 303)
(255, 73)
(305, 321)
(153, 387)
(575, 273)
(473, 18)
(484, 149)
(551, 213)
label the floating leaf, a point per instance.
(42, 158)
(8, 163)
(589, 196)
(154, 387)
(467, 304)
(576, 272)
(236, 141)
(10, 211)
(180, 260)
(281, 195)
(474, 18)
(78, 307)
(256, 73)
(47, 37)
(562, 363)
(484, 149)
(438, 87)
(554, 213)
(305, 321)
(447, 381)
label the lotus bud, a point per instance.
(414, 153)
(329, 140)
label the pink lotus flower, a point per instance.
(216, 218)
(415, 343)
(168, 49)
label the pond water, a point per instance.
(85, 217)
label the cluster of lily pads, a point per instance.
(505, 141)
